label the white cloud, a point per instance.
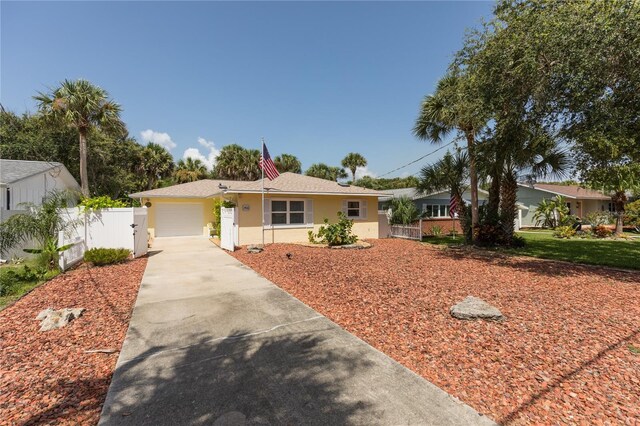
(158, 137)
(208, 158)
(364, 171)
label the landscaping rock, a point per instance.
(255, 249)
(52, 319)
(472, 308)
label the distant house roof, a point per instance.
(286, 183)
(569, 191)
(12, 171)
(414, 194)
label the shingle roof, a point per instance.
(572, 191)
(198, 189)
(400, 192)
(14, 170)
(293, 183)
(286, 183)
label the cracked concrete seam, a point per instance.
(216, 339)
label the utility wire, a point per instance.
(421, 158)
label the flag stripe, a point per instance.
(453, 206)
(267, 164)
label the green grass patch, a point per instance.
(615, 253)
(607, 252)
(18, 280)
(444, 240)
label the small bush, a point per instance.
(11, 278)
(599, 218)
(106, 256)
(601, 231)
(97, 203)
(436, 230)
(335, 234)
(564, 232)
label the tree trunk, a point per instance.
(618, 199)
(84, 180)
(493, 204)
(508, 199)
(473, 173)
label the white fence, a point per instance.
(108, 228)
(228, 228)
(411, 232)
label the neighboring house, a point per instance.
(580, 201)
(24, 181)
(294, 204)
(435, 205)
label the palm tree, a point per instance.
(322, 171)
(454, 107)
(237, 163)
(288, 163)
(403, 211)
(352, 161)
(451, 173)
(190, 170)
(82, 106)
(157, 163)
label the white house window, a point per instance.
(436, 210)
(8, 198)
(353, 209)
(287, 212)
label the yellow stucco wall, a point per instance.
(207, 208)
(324, 206)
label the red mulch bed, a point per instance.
(46, 377)
(562, 356)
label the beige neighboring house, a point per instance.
(23, 182)
(580, 201)
(294, 204)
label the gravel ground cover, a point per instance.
(47, 377)
(568, 352)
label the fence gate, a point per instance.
(410, 232)
(228, 228)
(140, 236)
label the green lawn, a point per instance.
(615, 253)
(15, 283)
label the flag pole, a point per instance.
(262, 168)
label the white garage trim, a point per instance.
(179, 219)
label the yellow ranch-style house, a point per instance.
(293, 205)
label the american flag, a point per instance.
(453, 206)
(267, 165)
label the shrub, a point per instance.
(11, 278)
(218, 203)
(601, 231)
(336, 234)
(599, 218)
(403, 211)
(564, 232)
(436, 230)
(106, 256)
(97, 203)
(632, 215)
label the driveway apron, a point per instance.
(212, 342)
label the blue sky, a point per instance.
(316, 79)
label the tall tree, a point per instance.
(352, 161)
(190, 170)
(455, 106)
(82, 106)
(237, 163)
(157, 163)
(323, 171)
(288, 163)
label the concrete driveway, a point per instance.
(212, 342)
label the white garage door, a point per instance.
(177, 220)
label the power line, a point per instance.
(421, 158)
